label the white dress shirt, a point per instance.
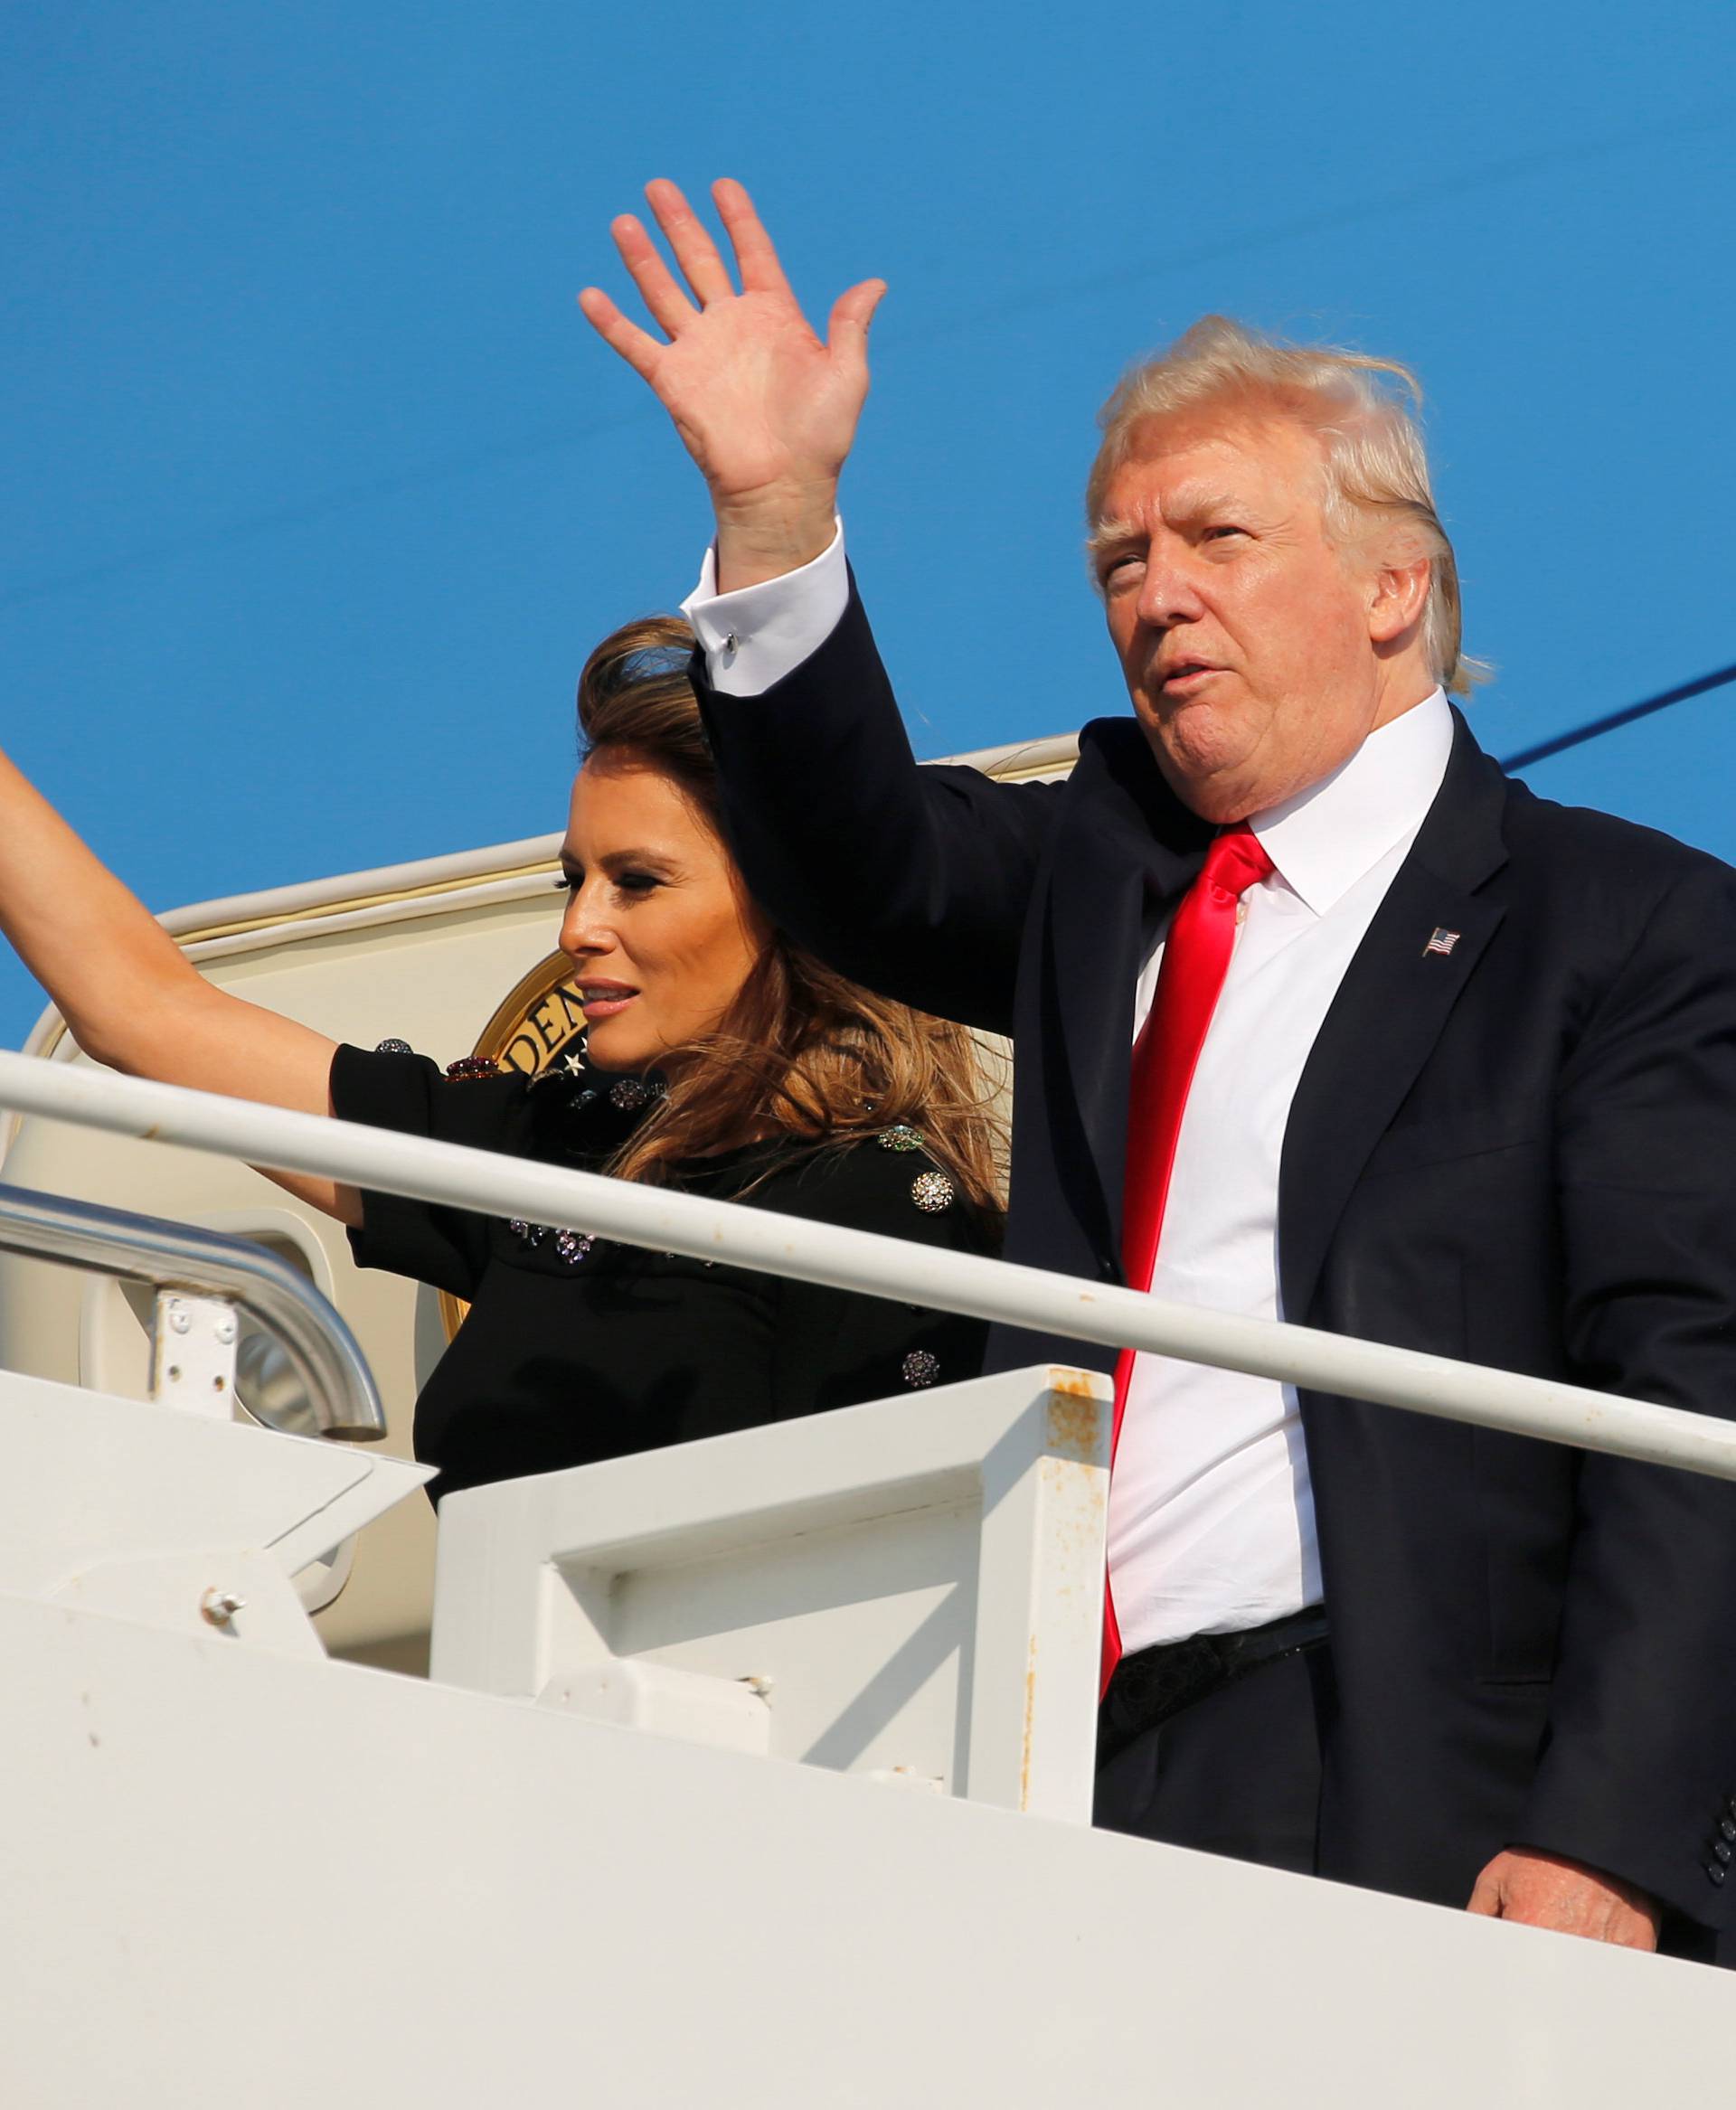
(758, 634)
(1211, 1512)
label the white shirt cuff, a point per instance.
(753, 638)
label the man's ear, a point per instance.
(1398, 595)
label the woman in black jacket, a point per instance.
(720, 1059)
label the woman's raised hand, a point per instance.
(766, 409)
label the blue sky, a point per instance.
(318, 488)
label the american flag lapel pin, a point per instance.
(1442, 942)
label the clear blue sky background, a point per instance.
(318, 488)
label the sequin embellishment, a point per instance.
(567, 1072)
(471, 1068)
(920, 1367)
(932, 1192)
(394, 1047)
(571, 1245)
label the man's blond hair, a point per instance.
(1377, 498)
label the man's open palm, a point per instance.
(766, 409)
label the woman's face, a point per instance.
(658, 925)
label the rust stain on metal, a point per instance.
(1029, 1720)
(1075, 1522)
(1076, 1416)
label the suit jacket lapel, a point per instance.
(1389, 1012)
(1127, 851)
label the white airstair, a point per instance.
(753, 1772)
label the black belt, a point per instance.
(1153, 1683)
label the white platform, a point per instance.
(237, 1875)
(211, 1906)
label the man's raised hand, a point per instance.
(766, 409)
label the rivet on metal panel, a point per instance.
(193, 1350)
(219, 1607)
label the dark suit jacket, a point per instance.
(1522, 1154)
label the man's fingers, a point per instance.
(1533, 1888)
(1486, 1897)
(668, 304)
(637, 346)
(755, 258)
(696, 251)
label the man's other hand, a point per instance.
(1543, 1889)
(766, 409)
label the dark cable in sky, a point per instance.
(1591, 732)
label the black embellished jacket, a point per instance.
(577, 1348)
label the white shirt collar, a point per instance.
(1329, 836)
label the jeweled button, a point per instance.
(932, 1192)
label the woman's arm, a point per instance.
(131, 998)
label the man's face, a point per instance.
(1244, 634)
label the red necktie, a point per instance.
(1196, 958)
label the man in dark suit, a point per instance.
(1461, 1077)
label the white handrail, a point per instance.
(828, 1254)
(256, 1281)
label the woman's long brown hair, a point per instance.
(803, 1054)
